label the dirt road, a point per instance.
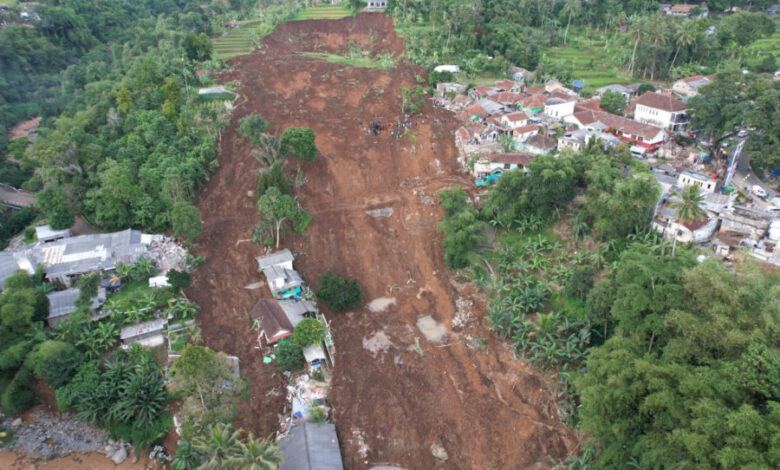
(395, 393)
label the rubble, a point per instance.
(167, 254)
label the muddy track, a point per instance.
(485, 408)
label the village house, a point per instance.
(644, 135)
(623, 90)
(283, 280)
(693, 178)
(311, 446)
(376, 4)
(743, 226)
(507, 99)
(449, 89)
(500, 162)
(479, 92)
(63, 303)
(507, 85)
(690, 86)
(578, 139)
(462, 101)
(520, 74)
(539, 144)
(552, 85)
(149, 334)
(473, 112)
(690, 231)
(271, 322)
(453, 69)
(45, 234)
(559, 108)
(491, 107)
(687, 9)
(523, 133)
(661, 110)
(513, 120)
(532, 104)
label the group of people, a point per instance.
(377, 125)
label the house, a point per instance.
(311, 446)
(490, 106)
(297, 310)
(283, 280)
(539, 144)
(593, 104)
(68, 258)
(499, 162)
(559, 107)
(270, 321)
(507, 85)
(690, 86)
(63, 303)
(552, 85)
(506, 99)
(693, 231)
(149, 334)
(514, 120)
(623, 90)
(376, 4)
(743, 226)
(44, 233)
(693, 178)
(579, 139)
(479, 92)
(532, 104)
(662, 111)
(686, 9)
(473, 112)
(520, 74)
(462, 101)
(315, 356)
(773, 10)
(644, 135)
(532, 90)
(454, 69)
(521, 134)
(449, 88)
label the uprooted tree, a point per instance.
(281, 208)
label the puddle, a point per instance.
(381, 304)
(378, 342)
(431, 329)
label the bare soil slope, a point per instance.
(395, 393)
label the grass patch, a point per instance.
(382, 62)
(130, 295)
(770, 45)
(324, 12)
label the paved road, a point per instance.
(16, 198)
(745, 177)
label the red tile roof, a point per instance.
(473, 110)
(629, 126)
(532, 90)
(516, 116)
(506, 97)
(535, 101)
(273, 321)
(562, 95)
(694, 224)
(592, 104)
(663, 102)
(505, 84)
(585, 117)
(484, 90)
(525, 129)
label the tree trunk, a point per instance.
(674, 58)
(633, 56)
(278, 227)
(652, 338)
(566, 33)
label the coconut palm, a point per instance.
(571, 8)
(219, 445)
(256, 454)
(684, 35)
(269, 150)
(637, 33)
(689, 205)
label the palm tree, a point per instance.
(684, 35)
(572, 9)
(219, 445)
(256, 454)
(659, 33)
(269, 150)
(637, 33)
(688, 207)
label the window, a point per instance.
(506, 166)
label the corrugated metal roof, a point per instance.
(311, 446)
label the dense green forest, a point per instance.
(635, 33)
(124, 139)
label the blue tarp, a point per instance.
(578, 84)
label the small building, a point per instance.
(315, 356)
(63, 303)
(539, 144)
(693, 178)
(520, 74)
(297, 310)
(216, 93)
(532, 104)
(149, 334)
(479, 92)
(552, 85)
(454, 69)
(559, 108)
(507, 85)
(694, 231)
(270, 321)
(283, 280)
(749, 224)
(580, 138)
(690, 86)
(646, 135)
(497, 163)
(473, 112)
(662, 111)
(521, 134)
(507, 99)
(616, 88)
(449, 88)
(687, 9)
(376, 4)
(45, 234)
(311, 446)
(490, 106)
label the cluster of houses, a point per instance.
(533, 120)
(504, 126)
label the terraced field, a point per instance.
(770, 44)
(589, 62)
(325, 12)
(240, 40)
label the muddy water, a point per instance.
(91, 461)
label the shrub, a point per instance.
(299, 141)
(338, 293)
(179, 279)
(252, 127)
(55, 360)
(580, 281)
(19, 395)
(309, 331)
(289, 355)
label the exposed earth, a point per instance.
(399, 394)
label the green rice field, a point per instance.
(324, 12)
(239, 40)
(587, 60)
